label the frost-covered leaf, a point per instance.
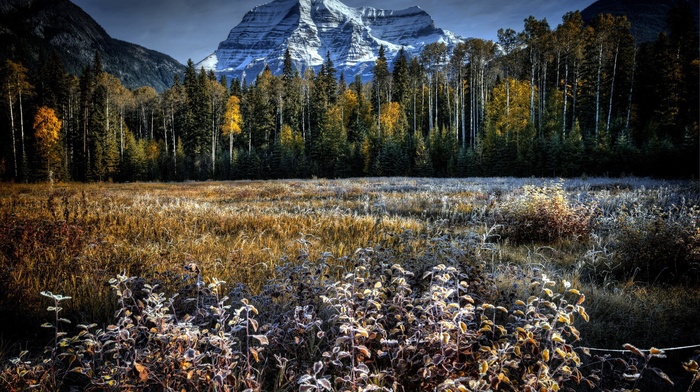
(581, 311)
(691, 366)
(142, 371)
(254, 324)
(462, 327)
(633, 349)
(361, 332)
(631, 377)
(663, 375)
(362, 368)
(318, 366)
(364, 351)
(255, 353)
(304, 379)
(483, 367)
(325, 384)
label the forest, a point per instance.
(575, 100)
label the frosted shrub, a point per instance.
(657, 244)
(388, 321)
(543, 214)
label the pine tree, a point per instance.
(401, 88)
(380, 86)
(104, 120)
(196, 112)
(329, 81)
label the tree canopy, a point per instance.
(562, 100)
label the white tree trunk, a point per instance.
(566, 96)
(597, 94)
(12, 127)
(612, 88)
(629, 98)
(21, 127)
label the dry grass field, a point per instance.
(389, 284)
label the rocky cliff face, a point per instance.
(647, 17)
(28, 27)
(312, 28)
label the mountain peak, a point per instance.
(311, 28)
(31, 27)
(647, 17)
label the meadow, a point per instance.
(394, 284)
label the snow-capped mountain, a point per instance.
(313, 28)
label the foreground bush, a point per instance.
(657, 244)
(377, 327)
(544, 214)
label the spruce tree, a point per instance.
(401, 88)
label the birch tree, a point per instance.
(17, 87)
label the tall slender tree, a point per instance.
(380, 86)
(231, 125)
(47, 128)
(17, 88)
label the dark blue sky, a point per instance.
(193, 28)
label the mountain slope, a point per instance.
(312, 28)
(647, 17)
(28, 27)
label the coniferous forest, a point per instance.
(572, 100)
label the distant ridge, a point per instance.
(648, 17)
(28, 27)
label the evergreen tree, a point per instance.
(103, 127)
(196, 113)
(380, 86)
(401, 88)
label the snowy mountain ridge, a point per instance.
(312, 28)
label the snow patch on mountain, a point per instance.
(312, 28)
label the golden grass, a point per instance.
(72, 238)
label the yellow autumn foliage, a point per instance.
(509, 109)
(232, 117)
(393, 121)
(47, 128)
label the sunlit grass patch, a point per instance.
(282, 243)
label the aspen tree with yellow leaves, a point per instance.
(47, 128)
(231, 125)
(393, 121)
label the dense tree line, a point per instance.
(577, 99)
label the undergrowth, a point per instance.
(456, 285)
(379, 326)
(544, 214)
